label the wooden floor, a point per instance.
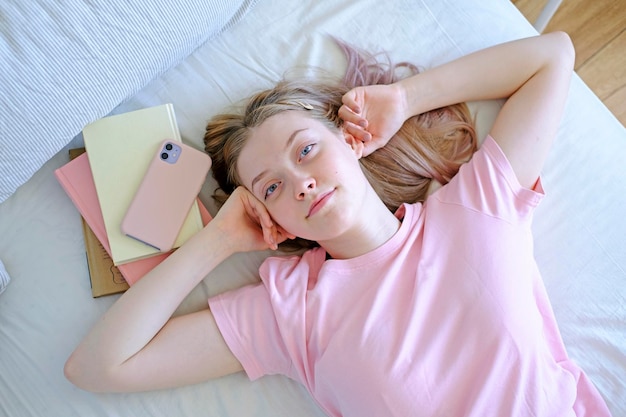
(598, 31)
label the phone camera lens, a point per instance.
(164, 155)
(169, 146)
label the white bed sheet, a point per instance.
(579, 229)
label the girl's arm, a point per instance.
(137, 345)
(533, 73)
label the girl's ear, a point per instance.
(355, 144)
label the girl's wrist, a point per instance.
(216, 241)
(408, 97)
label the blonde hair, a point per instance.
(429, 146)
(226, 134)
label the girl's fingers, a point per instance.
(351, 109)
(258, 211)
(276, 235)
(350, 100)
(267, 227)
(269, 237)
(283, 234)
(272, 233)
(263, 221)
(264, 218)
(358, 132)
(347, 115)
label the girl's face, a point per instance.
(307, 176)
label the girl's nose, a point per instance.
(304, 187)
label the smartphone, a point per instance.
(166, 193)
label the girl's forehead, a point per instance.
(277, 130)
(266, 142)
(284, 121)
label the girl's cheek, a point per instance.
(284, 217)
(275, 213)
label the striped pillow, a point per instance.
(66, 64)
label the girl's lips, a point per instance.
(319, 203)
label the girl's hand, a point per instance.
(373, 114)
(246, 225)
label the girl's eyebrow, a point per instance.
(257, 178)
(292, 137)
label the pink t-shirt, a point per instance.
(447, 318)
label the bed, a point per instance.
(65, 66)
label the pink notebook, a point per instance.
(76, 179)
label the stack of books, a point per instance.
(101, 180)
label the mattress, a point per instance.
(579, 227)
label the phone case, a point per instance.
(166, 193)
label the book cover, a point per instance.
(76, 179)
(105, 278)
(119, 149)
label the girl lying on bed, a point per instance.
(424, 308)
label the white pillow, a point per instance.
(66, 64)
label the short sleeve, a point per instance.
(247, 322)
(488, 184)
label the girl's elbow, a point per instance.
(84, 376)
(564, 52)
(74, 372)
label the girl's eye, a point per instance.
(306, 150)
(270, 189)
